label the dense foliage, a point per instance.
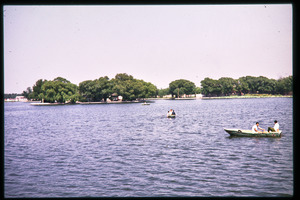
(95, 90)
(27, 93)
(122, 85)
(181, 86)
(11, 96)
(61, 90)
(131, 89)
(246, 85)
(163, 92)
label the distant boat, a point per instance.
(145, 103)
(47, 104)
(249, 133)
(171, 116)
(40, 104)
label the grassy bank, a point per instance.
(249, 96)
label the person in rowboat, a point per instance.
(275, 128)
(256, 127)
(171, 112)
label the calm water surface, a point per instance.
(134, 150)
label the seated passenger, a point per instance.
(275, 128)
(170, 112)
(255, 128)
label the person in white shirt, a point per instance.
(256, 127)
(275, 128)
(171, 112)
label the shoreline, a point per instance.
(84, 103)
(227, 97)
(249, 97)
(111, 102)
(153, 99)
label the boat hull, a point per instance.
(171, 116)
(249, 133)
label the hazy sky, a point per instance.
(158, 44)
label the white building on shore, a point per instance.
(17, 99)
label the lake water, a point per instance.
(124, 150)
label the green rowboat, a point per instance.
(249, 133)
(171, 116)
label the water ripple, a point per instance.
(134, 150)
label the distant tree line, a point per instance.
(61, 90)
(11, 96)
(180, 87)
(246, 85)
(122, 85)
(58, 90)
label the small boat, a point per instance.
(171, 116)
(145, 103)
(249, 133)
(43, 104)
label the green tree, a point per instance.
(253, 84)
(58, 90)
(62, 80)
(147, 90)
(265, 85)
(104, 88)
(131, 89)
(123, 77)
(211, 87)
(122, 86)
(37, 89)
(228, 85)
(197, 90)
(242, 85)
(163, 92)
(27, 93)
(181, 86)
(247, 84)
(284, 85)
(87, 90)
(11, 96)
